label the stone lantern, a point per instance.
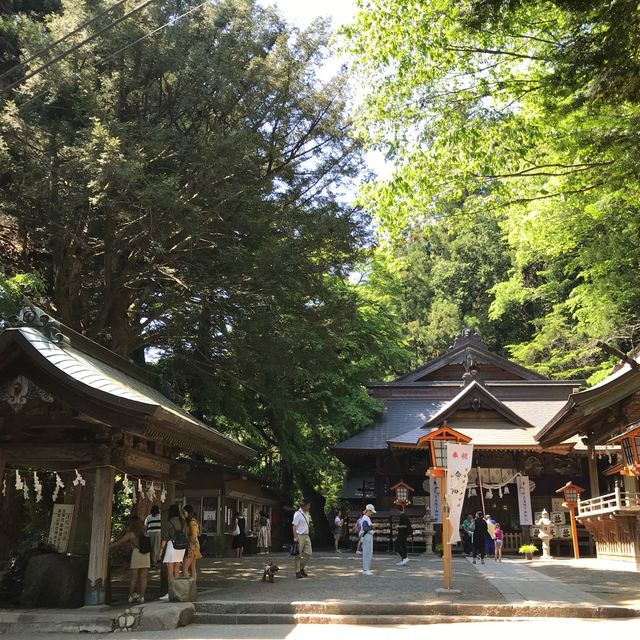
(547, 531)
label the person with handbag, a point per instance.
(135, 535)
(193, 543)
(301, 547)
(366, 535)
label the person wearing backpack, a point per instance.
(140, 543)
(404, 531)
(176, 543)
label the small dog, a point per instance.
(270, 572)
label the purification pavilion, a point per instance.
(66, 404)
(500, 405)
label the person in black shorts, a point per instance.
(479, 535)
(404, 531)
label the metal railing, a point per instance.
(617, 501)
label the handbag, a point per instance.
(294, 549)
(236, 531)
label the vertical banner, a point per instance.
(435, 493)
(458, 464)
(524, 499)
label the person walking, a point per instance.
(153, 523)
(366, 534)
(300, 526)
(193, 552)
(135, 537)
(467, 534)
(338, 524)
(404, 531)
(479, 537)
(239, 532)
(498, 540)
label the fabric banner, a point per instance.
(458, 465)
(524, 499)
(435, 493)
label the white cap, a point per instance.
(371, 508)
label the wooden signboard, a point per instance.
(61, 526)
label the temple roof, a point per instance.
(494, 401)
(52, 351)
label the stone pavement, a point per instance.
(519, 583)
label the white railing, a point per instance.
(616, 501)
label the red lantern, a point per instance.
(630, 443)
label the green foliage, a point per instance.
(15, 288)
(187, 197)
(527, 113)
(528, 548)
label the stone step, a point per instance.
(268, 612)
(319, 618)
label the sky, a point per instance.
(302, 12)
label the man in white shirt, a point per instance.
(301, 536)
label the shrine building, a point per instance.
(74, 410)
(500, 406)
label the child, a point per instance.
(499, 537)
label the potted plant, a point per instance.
(528, 550)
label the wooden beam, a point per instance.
(594, 480)
(96, 588)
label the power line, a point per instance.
(131, 44)
(41, 52)
(77, 46)
(151, 33)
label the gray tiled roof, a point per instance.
(397, 417)
(122, 388)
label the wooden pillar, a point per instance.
(100, 536)
(594, 480)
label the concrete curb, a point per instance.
(154, 616)
(269, 611)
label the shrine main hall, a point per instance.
(501, 406)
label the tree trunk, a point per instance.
(322, 535)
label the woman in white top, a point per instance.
(338, 523)
(366, 535)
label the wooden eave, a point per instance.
(150, 420)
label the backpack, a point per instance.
(180, 540)
(144, 544)
(203, 539)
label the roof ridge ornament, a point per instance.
(36, 318)
(467, 335)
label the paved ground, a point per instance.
(616, 583)
(338, 578)
(521, 629)
(335, 578)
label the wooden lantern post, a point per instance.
(572, 493)
(437, 441)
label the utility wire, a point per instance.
(131, 44)
(41, 52)
(151, 33)
(77, 46)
